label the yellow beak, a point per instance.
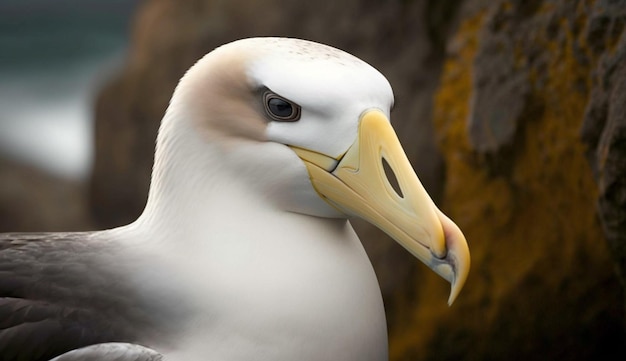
(357, 185)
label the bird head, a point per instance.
(310, 124)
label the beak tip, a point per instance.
(461, 267)
(452, 297)
(455, 289)
(458, 257)
(454, 268)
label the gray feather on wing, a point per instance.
(63, 291)
(112, 351)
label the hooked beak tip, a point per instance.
(457, 257)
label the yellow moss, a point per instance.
(513, 222)
(553, 179)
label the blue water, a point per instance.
(54, 57)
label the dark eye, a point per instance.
(280, 109)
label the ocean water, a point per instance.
(54, 57)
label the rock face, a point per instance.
(524, 100)
(520, 80)
(604, 127)
(31, 200)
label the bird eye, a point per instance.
(280, 109)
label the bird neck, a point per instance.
(188, 177)
(198, 189)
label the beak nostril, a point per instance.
(391, 178)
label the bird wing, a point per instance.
(111, 351)
(60, 292)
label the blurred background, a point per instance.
(55, 56)
(512, 112)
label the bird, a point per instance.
(244, 250)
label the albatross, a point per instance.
(244, 250)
